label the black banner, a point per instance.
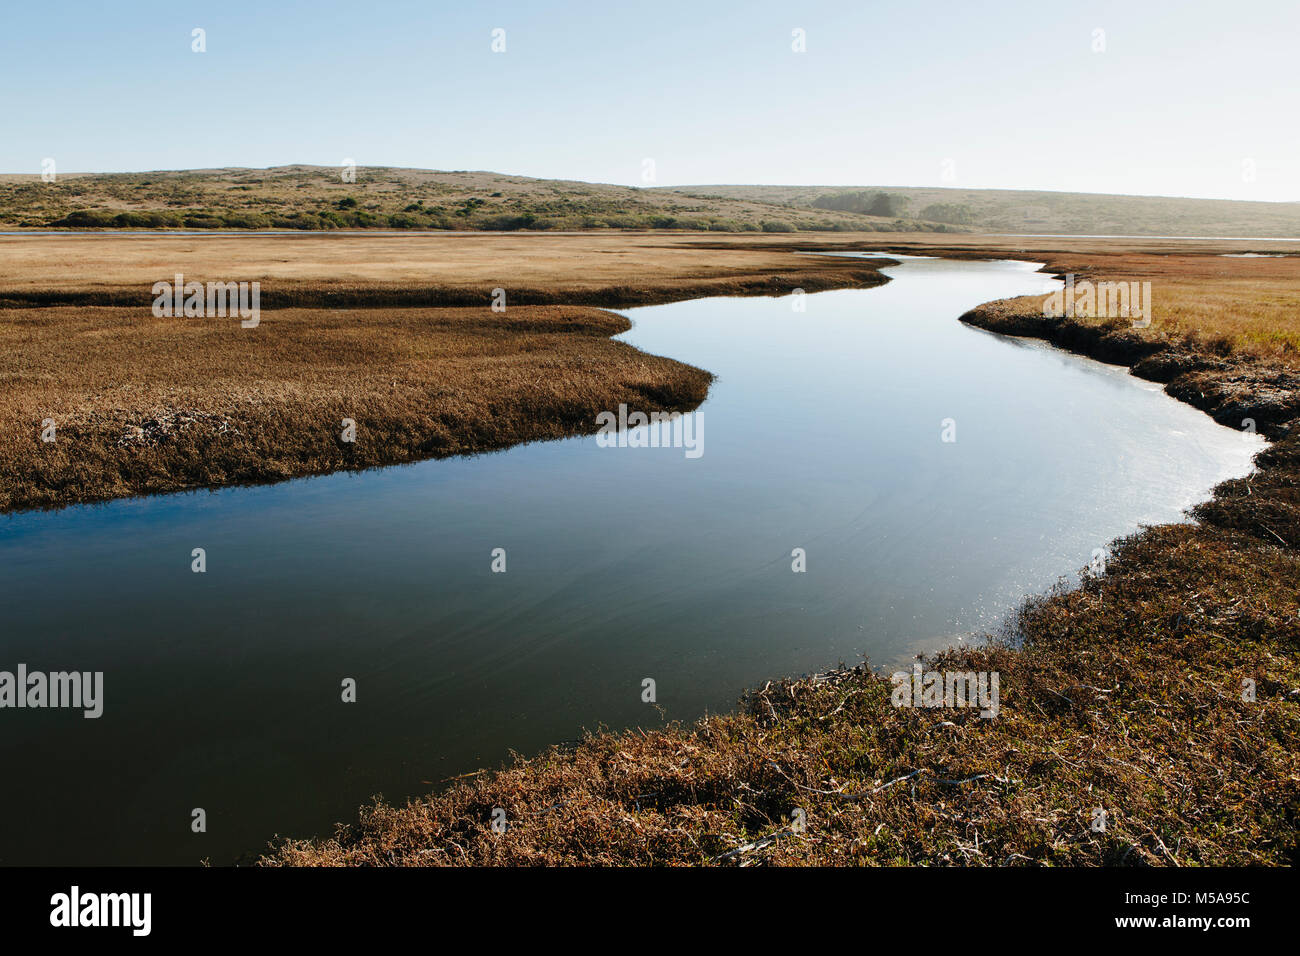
(943, 907)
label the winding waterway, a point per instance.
(824, 432)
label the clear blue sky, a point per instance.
(1011, 92)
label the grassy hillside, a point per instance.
(1024, 211)
(316, 197)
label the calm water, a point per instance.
(823, 432)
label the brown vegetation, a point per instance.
(146, 405)
(1207, 303)
(333, 270)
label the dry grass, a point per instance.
(607, 270)
(217, 404)
(1245, 306)
(1202, 298)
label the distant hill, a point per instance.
(316, 197)
(1024, 211)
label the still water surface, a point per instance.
(822, 432)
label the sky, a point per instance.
(1191, 98)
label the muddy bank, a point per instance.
(1234, 390)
